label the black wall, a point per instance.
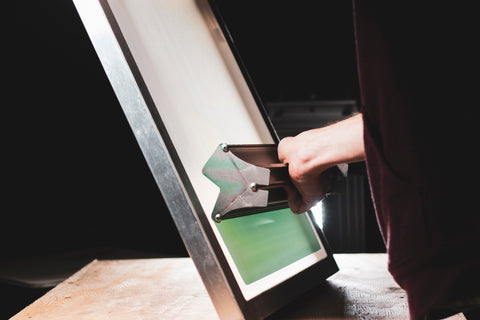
(296, 50)
(75, 177)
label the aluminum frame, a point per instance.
(172, 180)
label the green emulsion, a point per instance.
(261, 244)
(217, 170)
(224, 164)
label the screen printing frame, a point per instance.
(171, 177)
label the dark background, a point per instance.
(75, 179)
(300, 50)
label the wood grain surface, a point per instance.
(362, 289)
(127, 289)
(171, 289)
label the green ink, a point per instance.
(218, 170)
(261, 244)
(224, 164)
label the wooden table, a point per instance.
(171, 289)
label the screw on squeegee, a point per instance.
(253, 187)
(218, 217)
(224, 147)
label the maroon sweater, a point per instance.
(418, 72)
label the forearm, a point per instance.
(316, 150)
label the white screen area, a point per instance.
(200, 94)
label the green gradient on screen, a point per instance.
(261, 244)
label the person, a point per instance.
(417, 132)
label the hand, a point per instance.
(312, 152)
(310, 183)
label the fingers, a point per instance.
(295, 201)
(307, 186)
(298, 203)
(284, 149)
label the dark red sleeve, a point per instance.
(416, 67)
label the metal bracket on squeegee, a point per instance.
(250, 177)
